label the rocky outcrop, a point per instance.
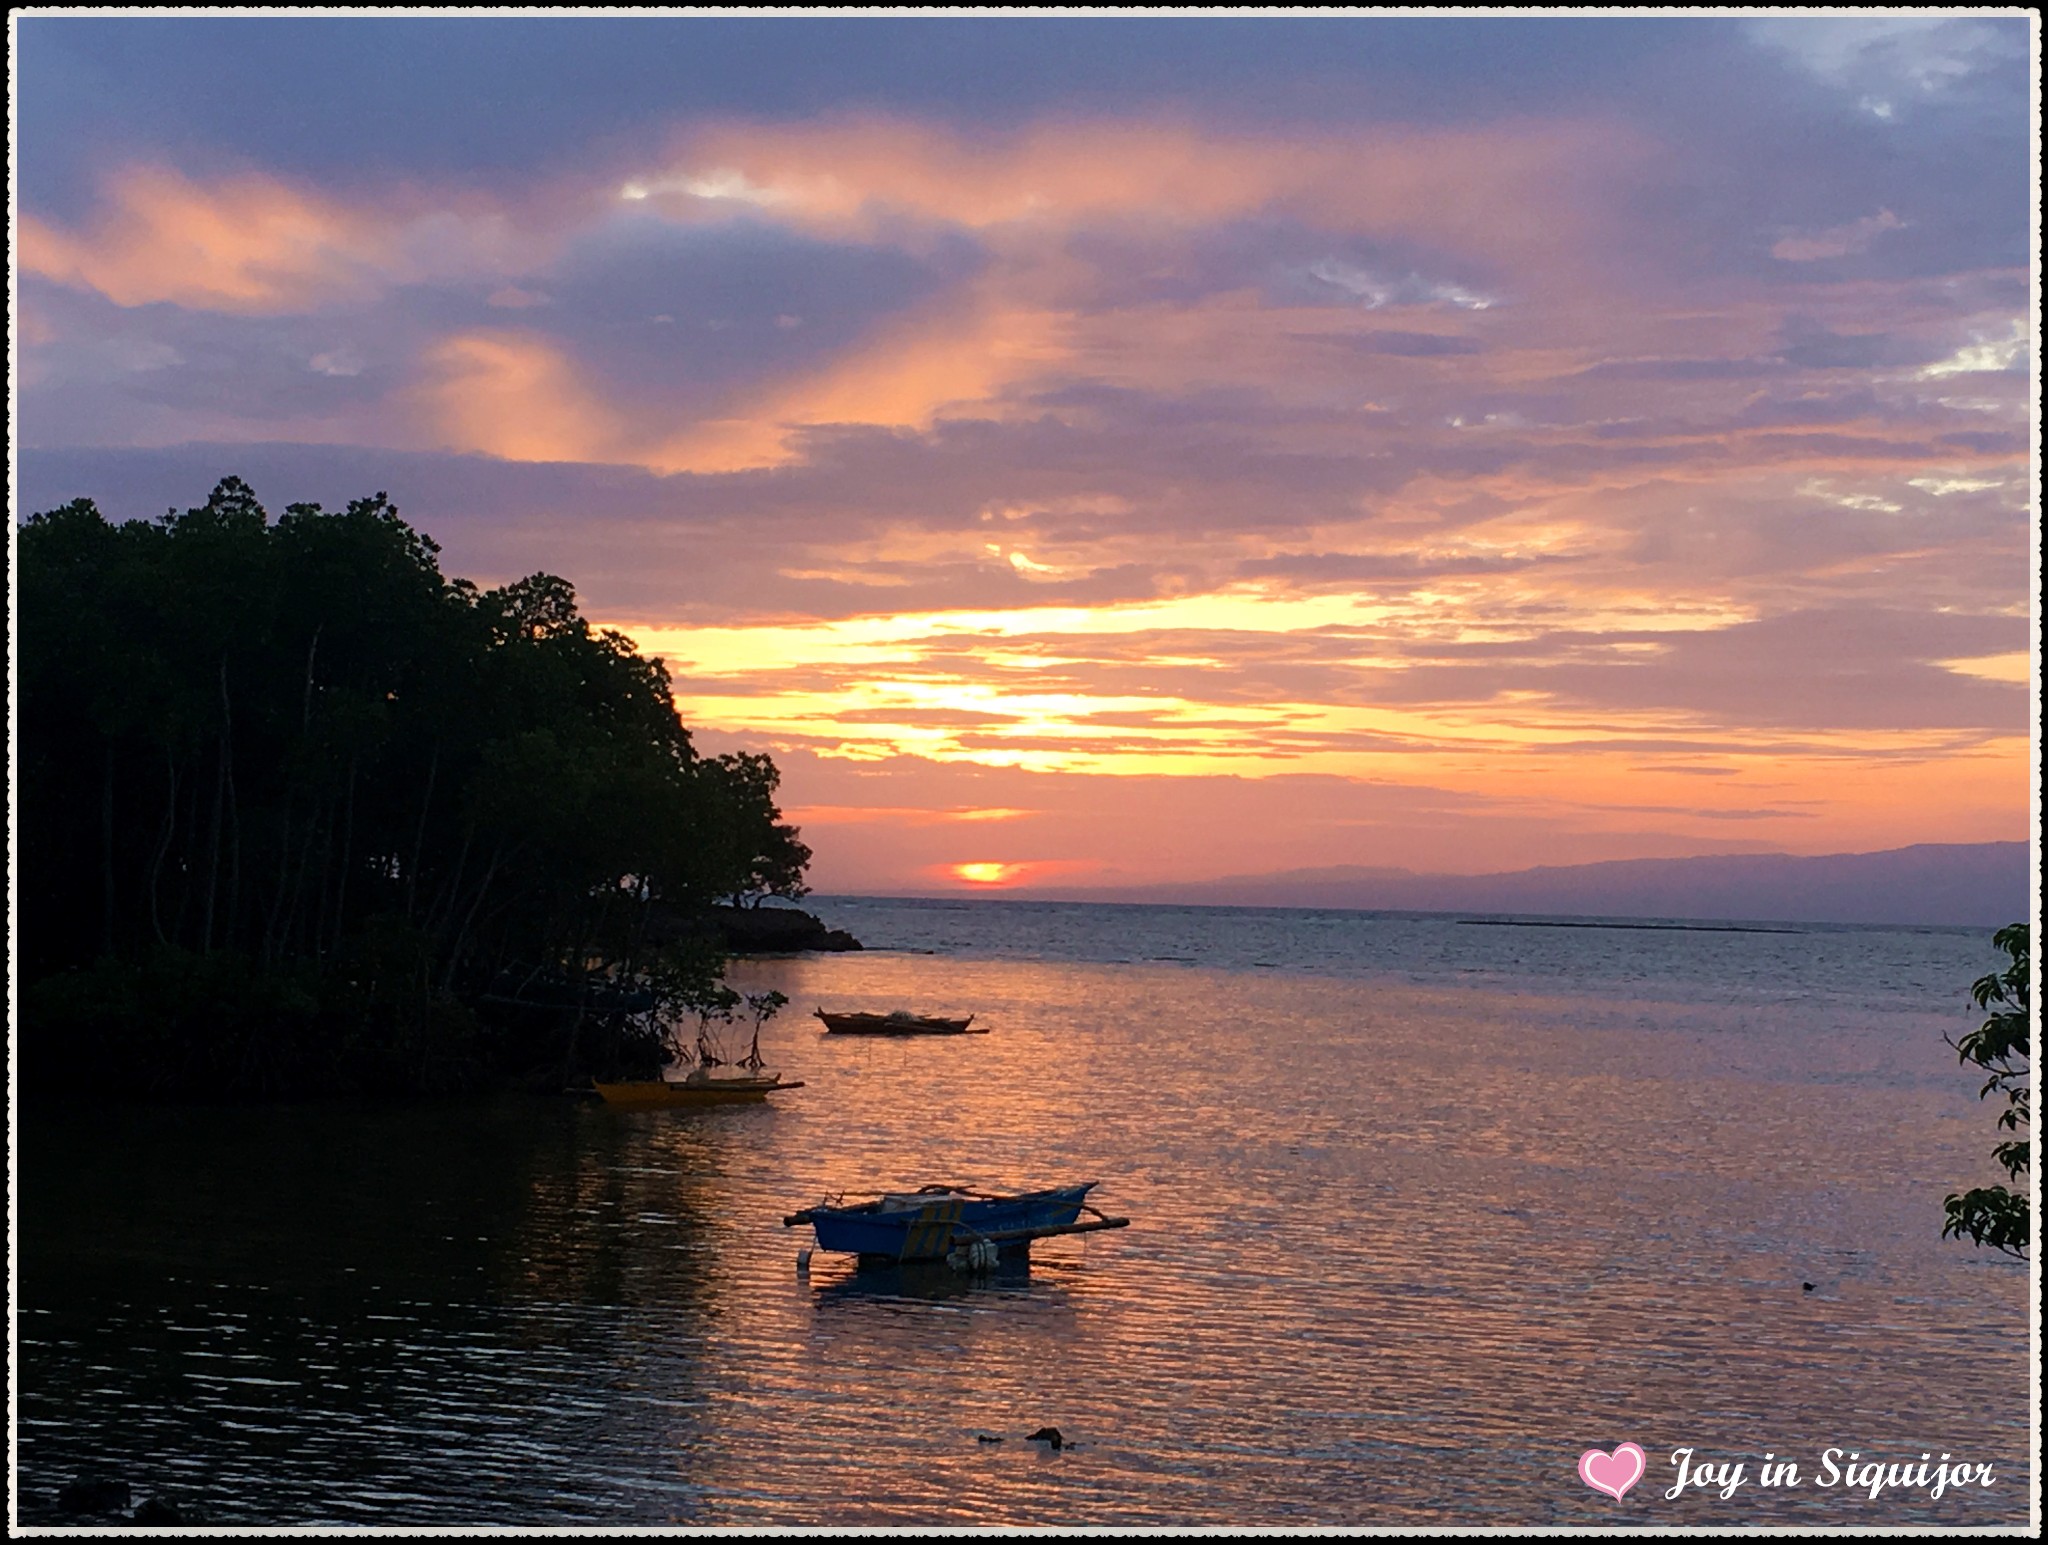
(747, 930)
(777, 931)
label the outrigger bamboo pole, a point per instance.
(1005, 1236)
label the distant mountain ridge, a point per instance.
(1977, 884)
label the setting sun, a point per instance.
(988, 873)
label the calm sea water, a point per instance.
(1421, 1210)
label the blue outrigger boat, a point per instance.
(932, 1223)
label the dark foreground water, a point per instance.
(1421, 1211)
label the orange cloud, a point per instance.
(251, 244)
(513, 394)
(958, 353)
(257, 245)
(842, 815)
(851, 173)
(860, 173)
(510, 394)
(1506, 194)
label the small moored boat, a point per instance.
(901, 1022)
(931, 1223)
(697, 1089)
(712, 1079)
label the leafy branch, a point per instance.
(1995, 1215)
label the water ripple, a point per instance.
(1400, 1251)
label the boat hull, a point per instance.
(670, 1094)
(887, 1024)
(913, 1228)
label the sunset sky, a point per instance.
(1102, 451)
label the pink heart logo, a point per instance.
(1613, 1473)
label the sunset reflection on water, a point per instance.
(1400, 1251)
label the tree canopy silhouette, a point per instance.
(296, 806)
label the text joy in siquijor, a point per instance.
(1845, 1469)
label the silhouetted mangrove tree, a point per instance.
(300, 812)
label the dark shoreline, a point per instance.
(772, 930)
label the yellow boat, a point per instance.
(672, 1093)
